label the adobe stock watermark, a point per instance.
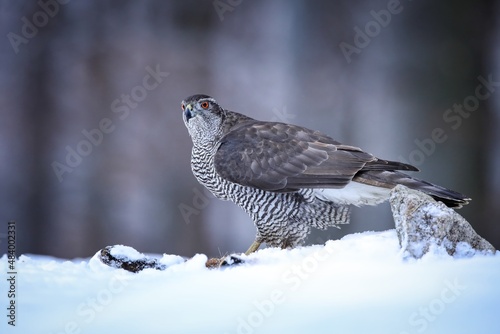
(201, 199)
(223, 6)
(282, 115)
(121, 107)
(31, 26)
(453, 118)
(373, 28)
(421, 319)
(88, 309)
(291, 280)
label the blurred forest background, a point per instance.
(91, 77)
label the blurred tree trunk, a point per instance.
(37, 116)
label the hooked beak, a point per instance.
(188, 112)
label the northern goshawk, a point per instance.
(286, 177)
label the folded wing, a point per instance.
(281, 157)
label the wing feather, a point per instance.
(282, 157)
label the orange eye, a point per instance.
(182, 106)
(204, 105)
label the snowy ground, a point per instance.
(359, 284)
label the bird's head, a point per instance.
(203, 117)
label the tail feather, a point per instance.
(380, 164)
(389, 179)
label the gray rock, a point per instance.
(424, 225)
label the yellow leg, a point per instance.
(253, 247)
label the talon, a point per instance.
(231, 260)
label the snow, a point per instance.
(359, 284)
(130, 253)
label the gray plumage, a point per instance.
(286, 177)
